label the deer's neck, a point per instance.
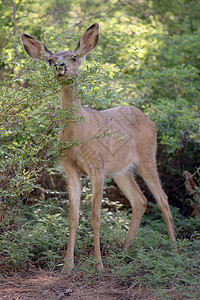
(70, 97)
(71, 102)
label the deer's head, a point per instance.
(65, 63)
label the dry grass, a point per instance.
(40, 284)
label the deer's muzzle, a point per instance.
(60, 68)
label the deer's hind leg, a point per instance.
(149, 173)
(129, 187)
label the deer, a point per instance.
(130, 143)
(192, 187)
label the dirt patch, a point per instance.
(51, 285)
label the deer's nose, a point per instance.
(58, 66)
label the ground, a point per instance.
(40, 284)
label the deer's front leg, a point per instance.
(74, 188)
(97, 190)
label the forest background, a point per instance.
(148, 56)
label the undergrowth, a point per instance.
(38, 236)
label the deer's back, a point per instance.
(110, 140)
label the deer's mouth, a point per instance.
(61, 74)
(61, 69)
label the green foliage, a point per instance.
(167, 86)
(30, 120)
(178, 124)
(38, 236)
(148, 55)
(156, 266)
(158, 63)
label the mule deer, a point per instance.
(130, 141)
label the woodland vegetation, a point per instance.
(147, 56)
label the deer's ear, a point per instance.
(34, 48)
(190, 184)
(88, 40)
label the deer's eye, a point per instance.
(49, 62)
(73, 58)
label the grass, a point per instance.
(38, 236)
